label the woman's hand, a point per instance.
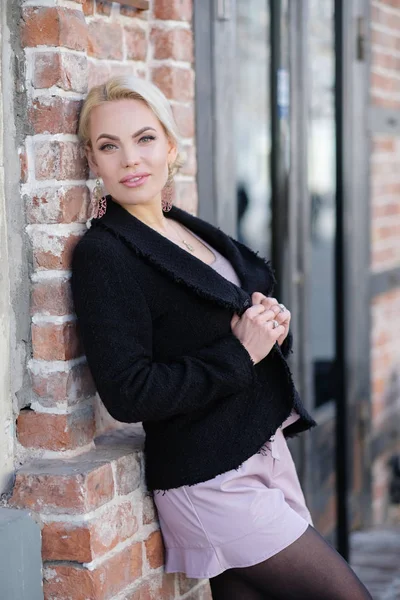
(282, 315)
(255, 330)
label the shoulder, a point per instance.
(101, 260)
(97, 243)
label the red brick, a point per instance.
(103, 7)
(56, 432)
(201, 593)
(383, 144)
(190, 166)
(84, 542)
(186, 583)
(186, 196)
(390, 20)
(52, 297)
(72, 486)
(55, 341)
(176, 10)
(88, 7)
(127, 474)
(136, 43)
(59, 257)
(154, 588)
(124, 69)
(68, 387)
(23, 161)
(155, 550)
(175, 82)
(172, 43)
(66, 204)
(185, 119)
(65, 70)
(39, 26)
(67, 582)
(383, 38)
(130, 11)
(66, 541)
(54, 115)
(98, 73)
(386, 210)
(149, 510)
(60, 160)
(53, 27)
(46, 69)
(105, 40)
(384, 82)
(384, 102)
(101, 583)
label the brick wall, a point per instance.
(89, 497)
(385, 250)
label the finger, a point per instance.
(254, 310)
(265, 316)
(276, 331)
(283, 317)
(283, 308)
(258, 297)
(234, 320)
(271, 305)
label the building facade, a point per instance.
(289, 113)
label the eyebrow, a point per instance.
(114, 137)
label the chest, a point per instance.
(182, 320)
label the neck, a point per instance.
(150, 213)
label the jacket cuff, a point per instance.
(245, 364)
(287, 345)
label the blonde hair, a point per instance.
(121, 88)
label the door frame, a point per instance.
(214, 30)
(214, 64)
(354, 417)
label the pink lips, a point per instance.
(133, 181)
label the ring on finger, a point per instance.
(283, 307)
(275, 324)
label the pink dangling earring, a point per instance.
(99, 202)
(166, 194)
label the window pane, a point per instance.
(252, 125)
(322, 185)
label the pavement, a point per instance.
(375, 557)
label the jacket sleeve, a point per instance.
(118, 347)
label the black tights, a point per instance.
(308, 569)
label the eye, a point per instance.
(107, 146)
(147, 138)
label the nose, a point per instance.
(130, 156)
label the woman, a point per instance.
(181, 333)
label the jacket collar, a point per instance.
(254, 273)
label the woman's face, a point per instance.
(130, 151)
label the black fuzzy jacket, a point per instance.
(155, 325)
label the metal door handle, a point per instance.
(223, 10)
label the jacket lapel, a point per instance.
(186, 268)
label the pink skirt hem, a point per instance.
(204, 563)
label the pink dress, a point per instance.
(238, 518)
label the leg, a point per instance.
(230, 586)
(309, 568)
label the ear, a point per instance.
(91, 160)
(172, 152)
